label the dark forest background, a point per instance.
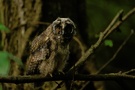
(22, 20)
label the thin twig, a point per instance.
(31, 24)
(118, 23)
(80, 45)
(113, 21)
(130, 71)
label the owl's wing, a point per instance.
(39, 51)
(38, 42)
(41, 39)
(35, 59)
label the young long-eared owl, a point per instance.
(50, 50)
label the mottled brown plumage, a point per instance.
(50, 50)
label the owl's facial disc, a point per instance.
(64, 29)
(64, 26)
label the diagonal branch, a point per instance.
(120, 21)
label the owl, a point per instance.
(49, 51)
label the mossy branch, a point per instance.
(80, 77)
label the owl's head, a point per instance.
(64, 29)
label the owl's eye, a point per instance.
(58, 29)
(68, 29)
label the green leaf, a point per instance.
(108, 43)
(14, 58)
(0, 87)
(4, 63)
(4, 28)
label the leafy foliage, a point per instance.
(5, 62)
(14, 58)
(108, 43)
(4, 28)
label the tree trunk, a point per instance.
(19, 16)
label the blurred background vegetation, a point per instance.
(20, 23)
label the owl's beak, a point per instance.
(63, 27)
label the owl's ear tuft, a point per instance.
(58, 18)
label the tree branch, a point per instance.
(80, 77)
